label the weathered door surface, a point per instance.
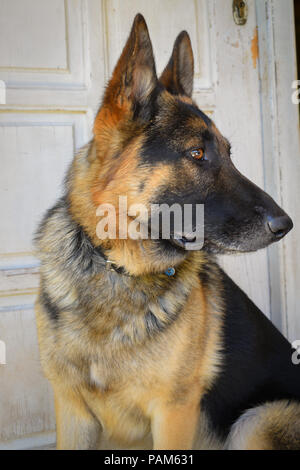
(55, 57)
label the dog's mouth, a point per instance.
(182, 241)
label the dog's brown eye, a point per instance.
(198, 154)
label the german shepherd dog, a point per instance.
(137, 358)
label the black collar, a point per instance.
(84, 245)
(110, 266)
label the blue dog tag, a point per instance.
(170, 272)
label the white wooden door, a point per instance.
(51, 59)
(55, 57)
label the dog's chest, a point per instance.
(125, 388)
(143, 344)
(123, 317)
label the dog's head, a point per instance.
(153, 145)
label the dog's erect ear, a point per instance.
(178, 75)
(134, 77)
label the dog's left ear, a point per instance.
(178, 75)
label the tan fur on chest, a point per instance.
(123, 383)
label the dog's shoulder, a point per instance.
(54, 225)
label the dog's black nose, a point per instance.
(280, 226)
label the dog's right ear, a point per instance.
(134, 77)
(178, 75)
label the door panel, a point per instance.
(163, 30)
(44, 43)
(26, 404)
(55, 57)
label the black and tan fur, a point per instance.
(138, 359)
